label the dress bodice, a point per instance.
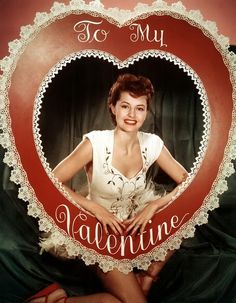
(108, 186)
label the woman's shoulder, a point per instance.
(153, 145)
(150, 137)
(98, 134)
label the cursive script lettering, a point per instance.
(78, 229)
(87, 32)
(145, 34)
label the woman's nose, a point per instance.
(131, 112)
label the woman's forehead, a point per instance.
(129, 97)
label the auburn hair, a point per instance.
(136, 86)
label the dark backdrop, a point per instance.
(76, 103)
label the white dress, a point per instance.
(109, 187)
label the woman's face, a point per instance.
(130, 112)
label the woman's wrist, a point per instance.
(163, 201)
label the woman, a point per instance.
(116, 162)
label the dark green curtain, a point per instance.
(76, 103)
(203, 270)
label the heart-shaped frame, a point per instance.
(79, 30)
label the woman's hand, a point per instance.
(139, 222)
(107, 219)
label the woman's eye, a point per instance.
(140, 109)
(124, 106)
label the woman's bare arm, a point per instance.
(67, 168)
(171, 167)
(72, 164)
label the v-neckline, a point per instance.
(111, 158)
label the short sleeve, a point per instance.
(90, 136)
(98, 140)
(153, 145)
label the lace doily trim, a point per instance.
(122, 64)
(119, 17)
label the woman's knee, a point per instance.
(126, 297)
(108, 298)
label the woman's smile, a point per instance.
(130, 122)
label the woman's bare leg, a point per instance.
(50, 298)
(115, 283)
(157, 266)
(60, 293)
(120, 287)
(124, 287)
(151, 275)
(94, 298)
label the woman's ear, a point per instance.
(113, 109)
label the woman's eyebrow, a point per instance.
(126, 102)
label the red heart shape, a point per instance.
(142, 34)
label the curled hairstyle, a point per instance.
(136, 86)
